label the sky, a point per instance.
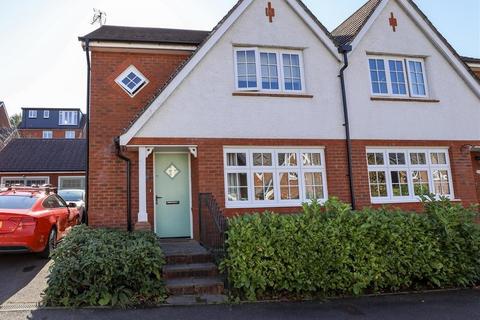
(43, 65)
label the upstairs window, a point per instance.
(69, 134)
(132, 81)
(32, 114)
(46, 114)
(259, 69)
(400, 77)
(68, 118)
(47, 134)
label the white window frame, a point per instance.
(409, 168)
(61, 117)
(32, 114)
(46, 114)
(60, 178)
(131, 93)
(47, 134)
(280, 70)
(406, 74)
(70, 134)
(410, 84)
(18, 178)
(249, 169)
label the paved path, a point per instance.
(457, 305)
(22, 278)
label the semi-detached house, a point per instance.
(252, 115)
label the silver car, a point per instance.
(76, 196)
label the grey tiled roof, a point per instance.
(38, 155)
(350, 28)
(146, 35)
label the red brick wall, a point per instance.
(111, 111)
(53, 176)
(57, 134)
(208, 171)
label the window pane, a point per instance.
(417, 78)
(400, 184)
(237, 187)
(287, 159)
(236, 159)
(263, 184)
(269, 71)
(289, 186)
(314, 186)
(441, 182)
(378, 76)
(397, 158)
(378, 184)
(312, 159)
(438, 158)
(418, 158)
(262, 159)
(397, 77)
(246, 69)
(375, 159)
(292, 72)
(420, 183)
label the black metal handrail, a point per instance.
(213, 225)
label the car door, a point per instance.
(58, 211)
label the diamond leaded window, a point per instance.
(132, 81)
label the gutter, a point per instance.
(120, 155)
(87, 126)
(344, 50)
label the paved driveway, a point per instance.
(22, 278)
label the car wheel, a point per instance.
(51, 244)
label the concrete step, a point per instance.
(182, 300)
(188, 258)
(194, 286)
(189, 270)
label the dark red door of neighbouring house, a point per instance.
(476, 172)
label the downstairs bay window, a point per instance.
(274, 177)
(404, 175)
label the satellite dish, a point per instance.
(99, 17)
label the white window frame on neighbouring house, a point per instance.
(25, 180)
(47, 134)
(124, 80)
(68, 118)
(32, 114)
(260, 69)
(70, 134)
(419, 164)
(80, 179)
(287, 188)
(407, 76)
(46, 114)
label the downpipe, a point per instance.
(120, 155)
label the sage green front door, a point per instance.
(172, 199)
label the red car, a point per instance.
(33, 220)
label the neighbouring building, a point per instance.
(252, 113)
(7, 132)
(60, 162)
(474, 64)
(49, 123)
(4, 118)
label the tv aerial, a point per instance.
(99, 17)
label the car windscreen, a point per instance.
(71, 195)
(17, 202)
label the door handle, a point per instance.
(157, 198)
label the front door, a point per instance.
(172, 199)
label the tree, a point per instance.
(15, 120)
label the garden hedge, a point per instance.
(97, 267)
(333, 250)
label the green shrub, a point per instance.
(96, 267)
(332, 250)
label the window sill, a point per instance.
(268, 205)
(404, 99)
(272, 95)
(401, 201)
